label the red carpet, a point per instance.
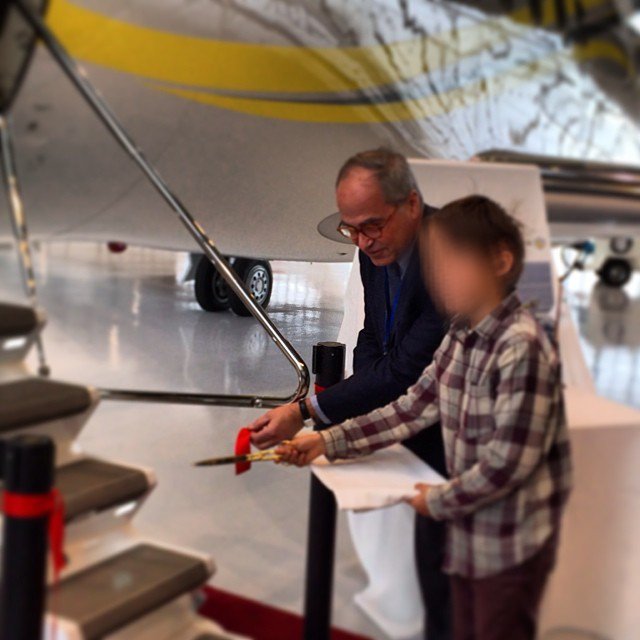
(257, 620)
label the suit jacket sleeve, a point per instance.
(380, 379)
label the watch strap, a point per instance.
(304, 410)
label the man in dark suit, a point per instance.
(381, 211)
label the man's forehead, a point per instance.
(360, 193)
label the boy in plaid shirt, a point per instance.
(494, 384)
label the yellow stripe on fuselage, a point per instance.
(409, 109)
(196, 68)
(599, 49)
(241, 66)
(549, 17)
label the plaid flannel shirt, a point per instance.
(496, 390)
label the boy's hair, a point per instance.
(482, 224)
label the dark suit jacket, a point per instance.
(380, 378)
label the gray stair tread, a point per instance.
(120, 590)
(94, 485)
(16, 320)
(27, 402)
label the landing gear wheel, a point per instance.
(257, 276)
(615, 272)
(212, 293)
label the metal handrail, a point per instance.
(19, 229)
(108, 118)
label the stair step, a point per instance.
(118, 591)
(94, 485)
(27, 402)
(17, 320)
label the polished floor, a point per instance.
(125, 321)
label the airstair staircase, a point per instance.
(116, 585)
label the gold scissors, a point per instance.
(259, 456)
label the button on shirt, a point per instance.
(496, 390)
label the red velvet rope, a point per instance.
(50, 505)
(243, 448)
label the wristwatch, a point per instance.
(304, 410)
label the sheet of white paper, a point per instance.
(379, 480)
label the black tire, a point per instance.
(615, 272)
(212, 293)
(258, 277)
(621, 245)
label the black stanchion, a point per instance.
(328, 367)
(28, 470)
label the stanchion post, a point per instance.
(328, 367)
(28, 471)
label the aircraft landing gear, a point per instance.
(257, 275)
(213, 294)
(615, 272)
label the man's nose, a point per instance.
(364, 242)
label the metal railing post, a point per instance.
(19, 227)
(28, 474)
(328, 365)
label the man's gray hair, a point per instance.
(391, 169)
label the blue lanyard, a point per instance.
(391, 309)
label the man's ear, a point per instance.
(416, 209)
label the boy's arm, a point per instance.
(527, 396)
(399, 420)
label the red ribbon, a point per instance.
(243, 448)
(318, 388)
(23, 505)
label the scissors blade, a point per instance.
(213, 462)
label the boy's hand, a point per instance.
(302, 450)
(419, 501)
(276, 425)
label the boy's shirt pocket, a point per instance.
(478, 424)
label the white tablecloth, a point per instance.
(383, 539)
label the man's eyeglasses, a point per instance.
(371, 230)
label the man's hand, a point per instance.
(302, 450)
(419, 501)
(276, 425)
